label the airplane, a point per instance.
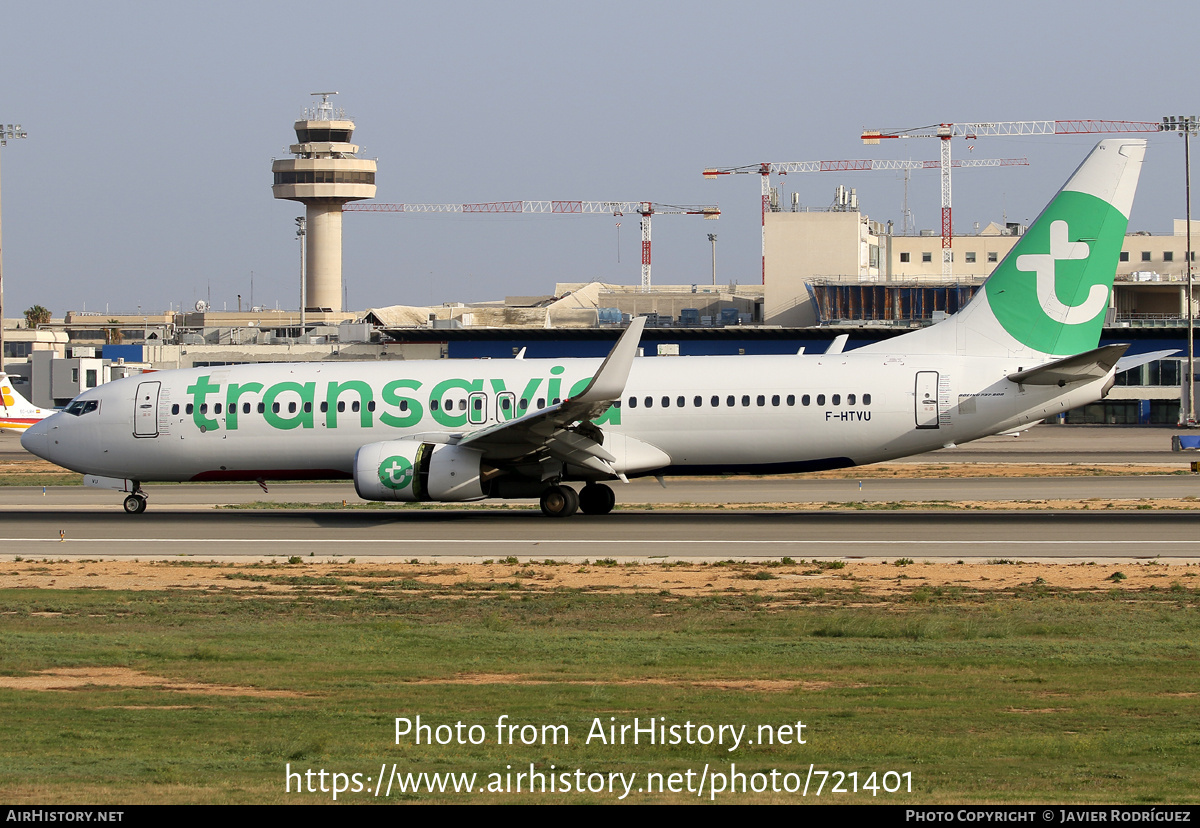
(1022, 350)
(16, 413)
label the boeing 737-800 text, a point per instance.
(1023, 349)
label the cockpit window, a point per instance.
(80, 407)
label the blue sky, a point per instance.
(145, 180)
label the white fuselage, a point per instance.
(730, 414)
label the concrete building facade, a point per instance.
(846, 246)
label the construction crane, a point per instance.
(645, 209)
(766, 170)
(945, 132)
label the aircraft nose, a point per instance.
(35, 440)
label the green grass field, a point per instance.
(1026, 695)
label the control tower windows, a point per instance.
(323, 135)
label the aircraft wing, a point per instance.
(565, 430)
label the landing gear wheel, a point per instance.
(597, 499)
(135, 504)
(559, 501)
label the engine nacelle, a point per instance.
(408, 470)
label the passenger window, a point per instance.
(791, 400)
(203, 408)
(775, 400)
(341, 406)
(245, 408)
(404, 405)
(275, 408)
(762, 400)
(292, 408)
(175, 408)
(433, 405)
(729, 401)
(866, 399)
(649, 402)
(371, 405)
(805, 400)
(541, 402)
(217, 408)
(679, 401)
(837, 399)
(325, 407)
(462, 405)
(666, 402)
(308, 407)
(557, 400)
(633, 402)
(820, 399)
(354, 406)
(697, 401)
(524, 404)
(477, 404)
(715, 401)
(262, 407)
(504, 404)
(745, 399)
(849, 399)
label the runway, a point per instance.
(649, 492)
(683, 520)
(454, 533)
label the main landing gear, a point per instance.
(135, 504)
(563, 501)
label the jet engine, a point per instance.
(408, 470)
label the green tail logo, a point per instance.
(1051, 292)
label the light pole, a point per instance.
(712, 237)
(301, 228)
(1186, 126)
(6, 132)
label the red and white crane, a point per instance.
(766, 170)
(970, 131)
(645, 209)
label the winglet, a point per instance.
(609, 382)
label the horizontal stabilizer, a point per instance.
(1127, 362)
(1090, 365)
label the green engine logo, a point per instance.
(395, 472)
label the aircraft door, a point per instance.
(927, 399)
(477, 408)
(145, 410)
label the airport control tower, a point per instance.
(324, 174)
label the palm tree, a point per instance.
(37, 315)
(112, 333)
